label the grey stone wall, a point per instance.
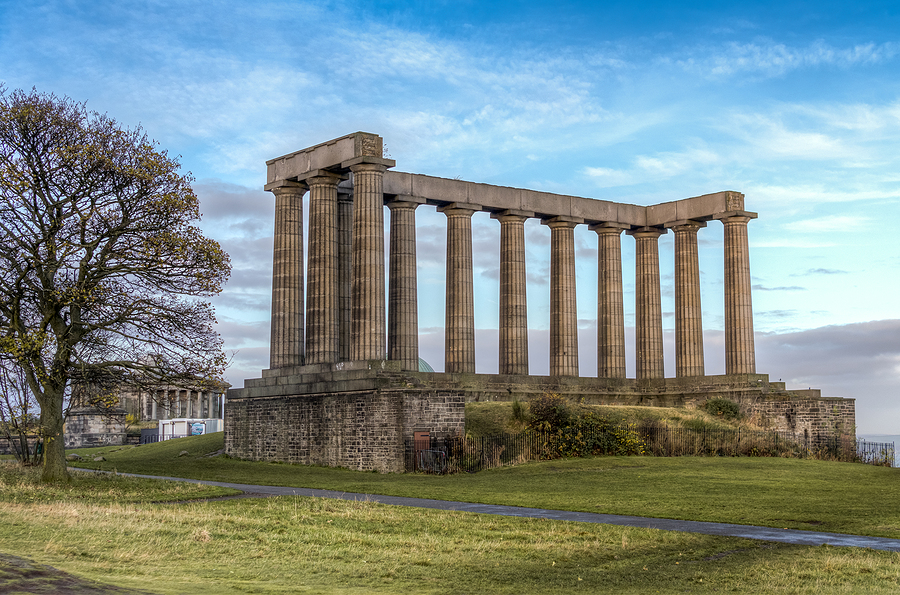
(817, 418)
(88, 429)
(360, 415)
(363, 430)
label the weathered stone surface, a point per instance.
(403, 317)
(688, 315)
(563, 311)
(362, 430)
(610, 302)
(459, 329)
(648, 304)
(286, 343)
(740, 353)
(513, 303)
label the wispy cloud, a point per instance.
(821, 272)
(765, 57)
(781, 288)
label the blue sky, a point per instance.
(795, 104)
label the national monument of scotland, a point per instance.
(331, 397)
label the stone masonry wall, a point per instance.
(363, 415)
(90, 429)
(819, 419)
(358, 430)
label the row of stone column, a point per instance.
(166, 404)
(345, 290)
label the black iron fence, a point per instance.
(467, 454)
(151, 436)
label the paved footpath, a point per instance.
(723, 529)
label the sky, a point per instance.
(794, 104)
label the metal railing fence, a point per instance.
(459, 454)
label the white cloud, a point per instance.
(769, 58)
(835, 223)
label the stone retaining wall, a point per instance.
(359, 415)
(362, 430)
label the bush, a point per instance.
(723, 408)
(549, 412)
(518, 412)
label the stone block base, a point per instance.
(361, 430)
(361, 415)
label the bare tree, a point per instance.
(102, 270)
(18, 413)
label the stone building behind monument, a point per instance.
(100, 417)
(344, 387)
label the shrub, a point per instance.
(549, 411)
(723, 408)
(518, 412)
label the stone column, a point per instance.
(403, 313)
(563, 310)
(513, 304)
(286, 342)
(740, 353)
(322, 274)
(610, 301)
(153, 410)
(345, 260)
(648, 304)
(688, 315)
(367, 323)
(459, 329)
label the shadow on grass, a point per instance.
(20, 575)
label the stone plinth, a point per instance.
(360, 414)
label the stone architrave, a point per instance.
(610, 301)
(345, 260)
(286, 345)
(322, 289)
(688, 315)
(740, 353)
(513, 302)
(648, 304)
(367, 323)
(459, 329)
(563, 310)
(403, 323)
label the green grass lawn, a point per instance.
(774, 492)
(106, 529)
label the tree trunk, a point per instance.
(54, 442)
